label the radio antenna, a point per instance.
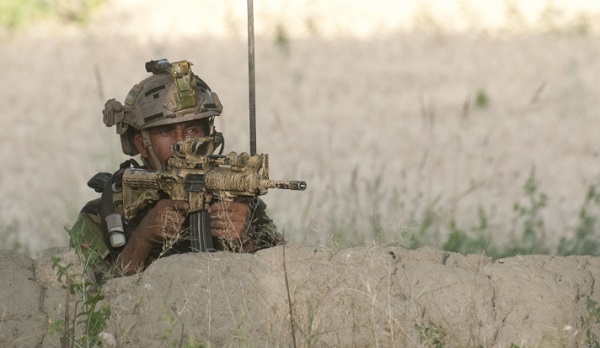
(251, 78)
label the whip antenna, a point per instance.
(251, 78)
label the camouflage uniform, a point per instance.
(89, 232)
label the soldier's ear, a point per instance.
(138, 140)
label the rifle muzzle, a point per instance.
(286, 185)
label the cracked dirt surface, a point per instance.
(379, 296)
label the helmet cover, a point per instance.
(173, 94)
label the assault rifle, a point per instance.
(192, 176)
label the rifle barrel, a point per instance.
(287, 185)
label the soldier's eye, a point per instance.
(194, 131)
(163, 131)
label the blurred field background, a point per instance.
(412, 121)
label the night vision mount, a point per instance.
(161, 66)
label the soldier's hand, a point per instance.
(229, 220)
(163, 221)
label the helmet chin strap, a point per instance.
(148, 146)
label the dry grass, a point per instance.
(382, 129)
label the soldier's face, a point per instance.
(162, 137)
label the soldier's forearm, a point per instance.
(134, 255)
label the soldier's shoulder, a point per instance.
(92, 207)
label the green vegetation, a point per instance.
(15, 14)
(282, 40)
(89, 316)
(438, 227)
(481, 99)
(585, 241)
(431, 335)
(587, 323)
(529, 235)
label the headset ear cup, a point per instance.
(112, 113)
(127, 143)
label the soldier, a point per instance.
(166, 107)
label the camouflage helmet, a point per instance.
(173, 94)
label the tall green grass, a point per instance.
(527, 237)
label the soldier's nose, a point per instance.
(179, 134)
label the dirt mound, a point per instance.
(379, 296)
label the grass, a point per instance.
(15, 14)
(530, 234)
(591, 339)
(85, 317)
(395, 171)
(432, 335)
(426, 228)
(585, 239)
(527, 237)
(361, 197)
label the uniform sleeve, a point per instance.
(265, 233)
(87, 230)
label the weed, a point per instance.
(425, 233)
(282, 41)
(340, 238)
(530, 217)
(89, 316)
(431, 335)
(289, 297)
(308, 331)
(588, 323)
(482, 100)
(530, 231)
(427, 229)
(470, 243)
(585, 240)
(529, 240)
